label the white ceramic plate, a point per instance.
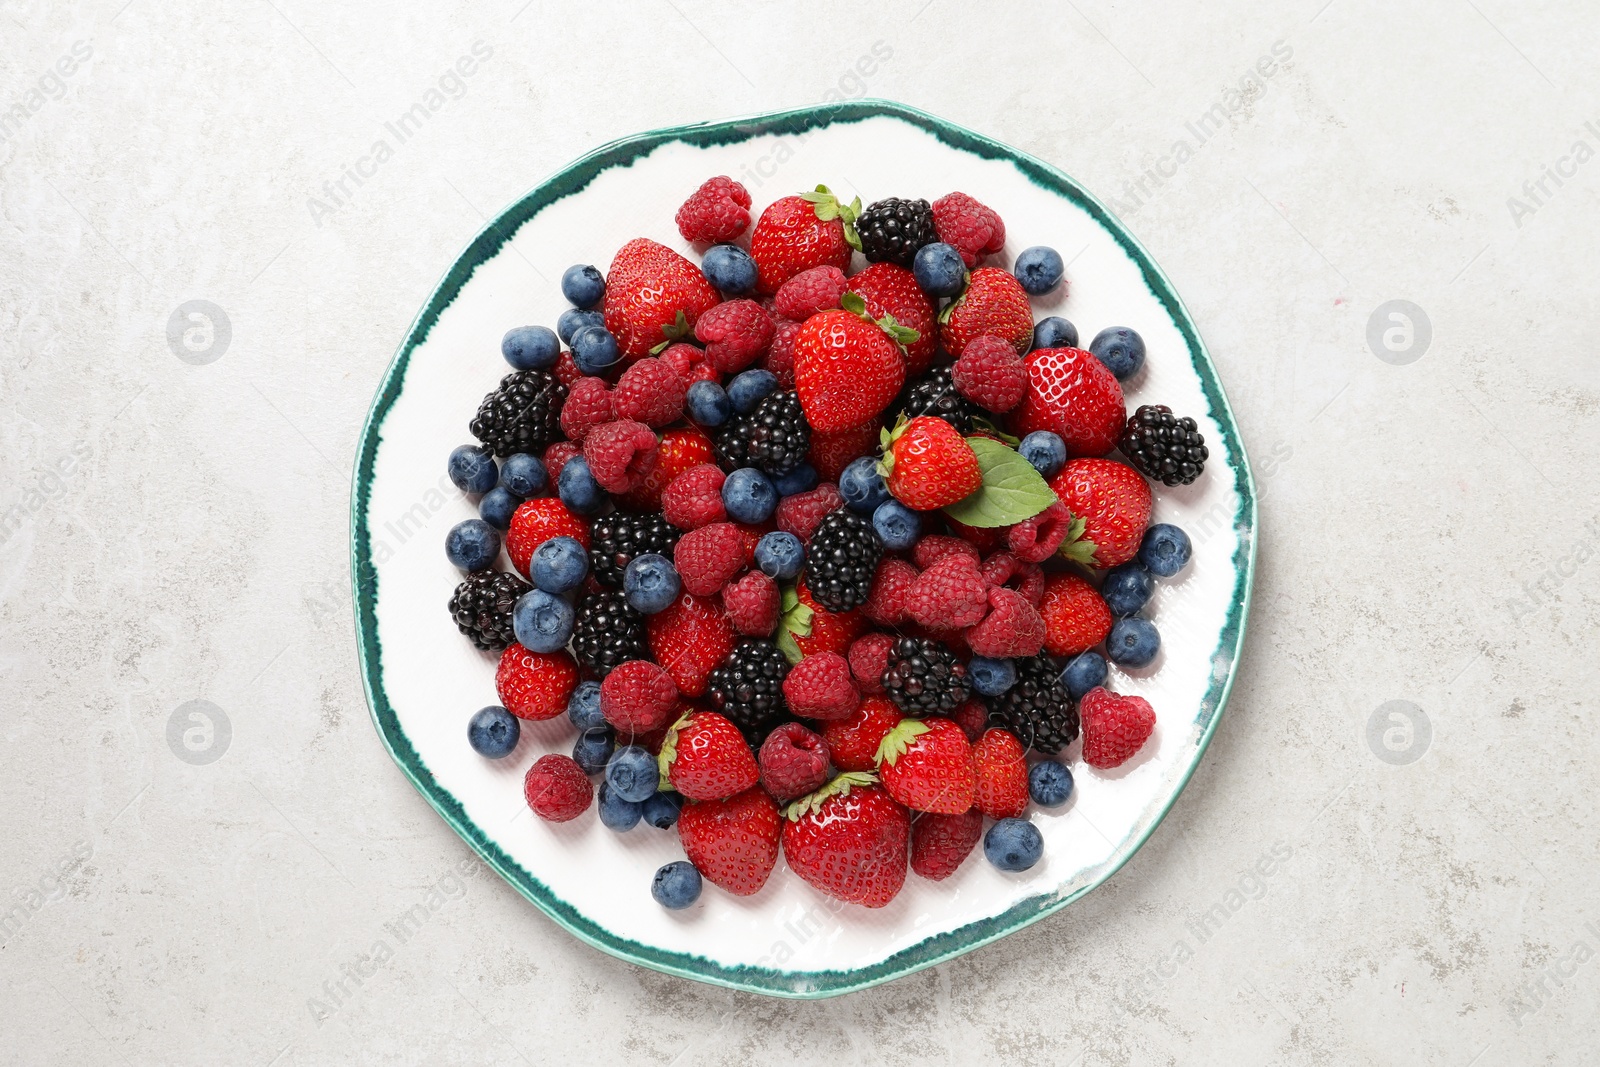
(423, 680)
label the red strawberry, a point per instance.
(926, 764)
(637, 697)
(891, 587)
(994, 303)
(831, 453)
(1112, 500)
(929, 464)
(797, 233)
(794, 761)
(809, 292)
(892, 291)
(1001, 766)
(680, 450)
(950, 595)
(1114, 727)
(556, 788)
(1075, 618)
(689, 638)
(821, 687)
(846, 370)
(1012, 628)
(1071, 394)
(653, 295)
(990, 374)
(808, 628)
(849, 840)
(694, 498)
(853, 742)
(705, 757)
(535, 522)
(732, 842)
(621, 454)
(940, 842)
(535, 685)
(752, 604)
(716, 212)
(735, 334)
(972, 228)
(651, 391)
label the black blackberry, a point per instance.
(893, 229)
(1163, 447)
(924, 678)
(935, 394)
(607, 632)
(481, 606)
(773, 438)
(1037, 708)
(841, 560)
(747, 687)
(522, 415)
(616, 538)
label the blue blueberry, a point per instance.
(1165, 550)
(531, 347)
(583, 707)
(559, 565)
(650, 583)
(802, 479)
(495, 507)
(493, 732)
(592, 750)
(1055, 332)
(1039, 269)
(574, 319)
(662, 809)
(632, 773)
(749, 496)
(1120, 349)
(616, 813)
(939, 269)
(1082, 673)
(862, 487)
(472, 469)
(472, 545)
(523, 476)
(1013, 844)
(1049, 783)
(729, 269)
(991, 677)
(542, 621)
(1127, 588)
(676, 885)
(707, 404)
(583, 285)
(779, 555)
(897, 525)
(578, 489)
(750, 388)
(594, 350)
(1046, 451)
(1133, 642)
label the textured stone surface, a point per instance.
(1428, 530)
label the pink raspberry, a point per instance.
(621, 454)
(752, 604)
(694, 498)
(809, 292)
(990, 374)
(689, 361)
(821, 687)
(709, 557)
(793, 761)
(567, 371)
(868, 657)
(734, 333)
(950, 595)
(799, 514)
(1036, 540)
(556, 788)
(780, 356)
(718, 211)
(556, 456)
(1012, 628)
(931, 549)
(971, 227)
(891, 585)
(1004, 569)
(651, 391)
(589, 404)
(637, 697)
(973, 718)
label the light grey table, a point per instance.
(175, 530)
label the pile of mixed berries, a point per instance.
(811, 560)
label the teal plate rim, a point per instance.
(572, 179)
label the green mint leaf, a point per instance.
(1012, 489)
(854, 303)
